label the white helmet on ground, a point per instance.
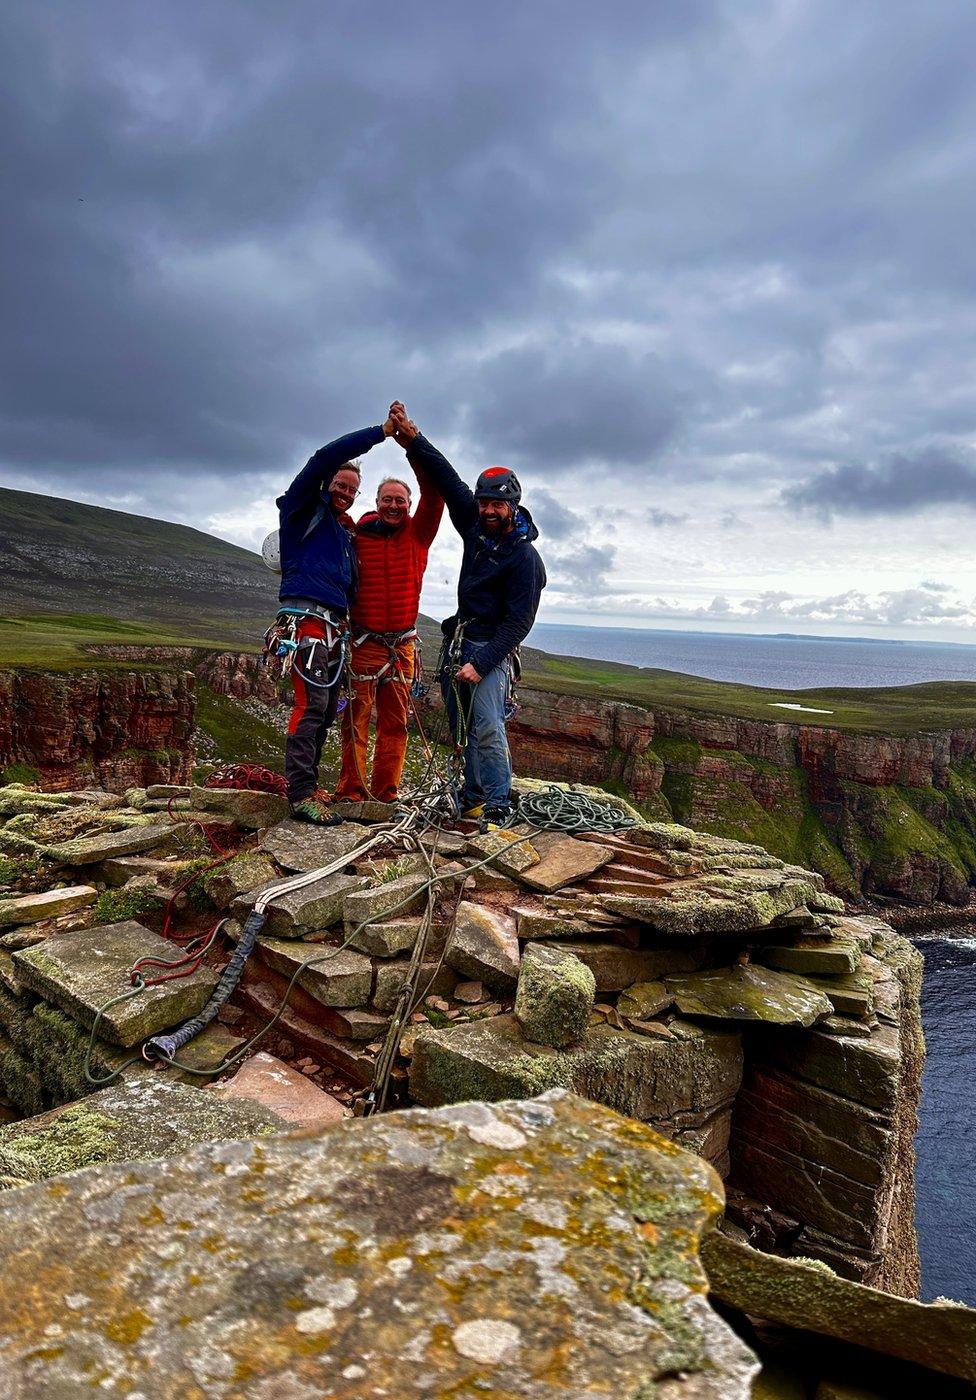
(271, 552)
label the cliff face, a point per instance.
(240, 674)
(111, 729)
(888, 815)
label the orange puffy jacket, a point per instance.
(392, 564)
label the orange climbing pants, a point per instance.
(390, 693)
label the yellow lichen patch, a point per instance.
(128, 1329)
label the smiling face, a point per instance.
(497, 517)
(343, 489)
(393, 502)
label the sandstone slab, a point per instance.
(238, 876)
(250, 810)
(119, 870)
(139, 1120)
(211, 1291)
(131, 840)
(566, 862)
(509, 852)
(404, 896)
(283, 1091)
(749, 993)
(644, 1000)
(303, 911)
(82, 971)
(554, 996)
(940, 1336)
(391, 974)
(302, 848)
(671, 1083)
(336, 977)
(615, 967)
(386, 940)
(831, 955)
(485, 946)
(31, 908)
(705, 908)
(851, 994)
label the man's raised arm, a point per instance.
(425, 459)
(322, 466)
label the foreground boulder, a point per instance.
(543, 1249)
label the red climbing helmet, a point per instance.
(498, 484)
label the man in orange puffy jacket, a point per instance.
(391, 550)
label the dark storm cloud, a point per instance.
(898, 486)
(681, 240)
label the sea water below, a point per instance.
(945, 1213)
(788, 663)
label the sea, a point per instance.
(945, 1146)
(946, 1141)
(779, 662)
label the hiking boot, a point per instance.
(315, 809)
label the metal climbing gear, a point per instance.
(282, 640)
(390, 670)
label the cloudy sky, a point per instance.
(703, 273)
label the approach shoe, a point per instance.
(473, 814)
(494, 818)
(315, 809)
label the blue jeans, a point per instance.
(487, 760)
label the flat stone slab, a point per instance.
(510, 853)
(339, 976)
(131, 840)
(616, 968)
(317, 906)
(301, 847)
(940, 1336)
(250, 810)
(713, 908)
(120, 869)
(566, 862)
(244, 873)
(749, 993)
(485, 946)
(836, 955)
(284, 1091)
(401, 897)
(83, 970)
(137, 1120)
(654, 1080)
(262, 1268)
(644, 1000)
(31, 908)
(850, 995)
(386, 940)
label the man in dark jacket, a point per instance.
(501, 580)
(318, 582)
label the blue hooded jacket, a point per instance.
(318, 561)
(501, 578)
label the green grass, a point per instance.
(62, 642)
(239, 737)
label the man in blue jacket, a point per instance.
(318, 582)
(501, 580)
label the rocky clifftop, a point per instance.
(877, 814)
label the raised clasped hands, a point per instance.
(403, 429)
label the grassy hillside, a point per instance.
(79, 559)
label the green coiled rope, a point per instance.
(558, 809)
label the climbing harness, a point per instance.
(390, 670)
(282, 641)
